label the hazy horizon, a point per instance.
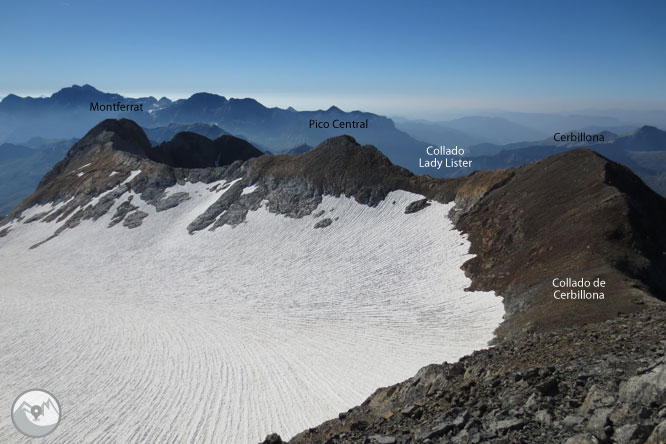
(389, 57)
(349, 103)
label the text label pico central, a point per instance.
(339, 124)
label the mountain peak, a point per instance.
(334, 109)
(207, 98)
(115, 134)
(646, 130)
(76, 90)
(645, 137)
(87, 87)
(339, 165)
(76, 95)
(11, 98)
(127, 135)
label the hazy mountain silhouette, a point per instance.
(164, 133)
(298, 150)
(495, 129)
(438, 133)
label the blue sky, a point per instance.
(391, 57)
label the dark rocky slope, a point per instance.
(191, 150)
(574, 215)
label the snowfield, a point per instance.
(152, 335)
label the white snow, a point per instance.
(153, 335)
(82, 167)
(39, 209)
(131, 177)
(249, 190)
(113, 173)
(80, 174)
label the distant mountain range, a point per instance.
(496, 129)
(438, 131)
(63, 115)
(507, 128)
(67, 114)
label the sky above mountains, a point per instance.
(386, 57)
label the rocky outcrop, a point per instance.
(324, 223)
(577, 215)
(416, 206)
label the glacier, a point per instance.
(154, 335)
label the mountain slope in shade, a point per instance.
(605, 214)
(190, 150)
